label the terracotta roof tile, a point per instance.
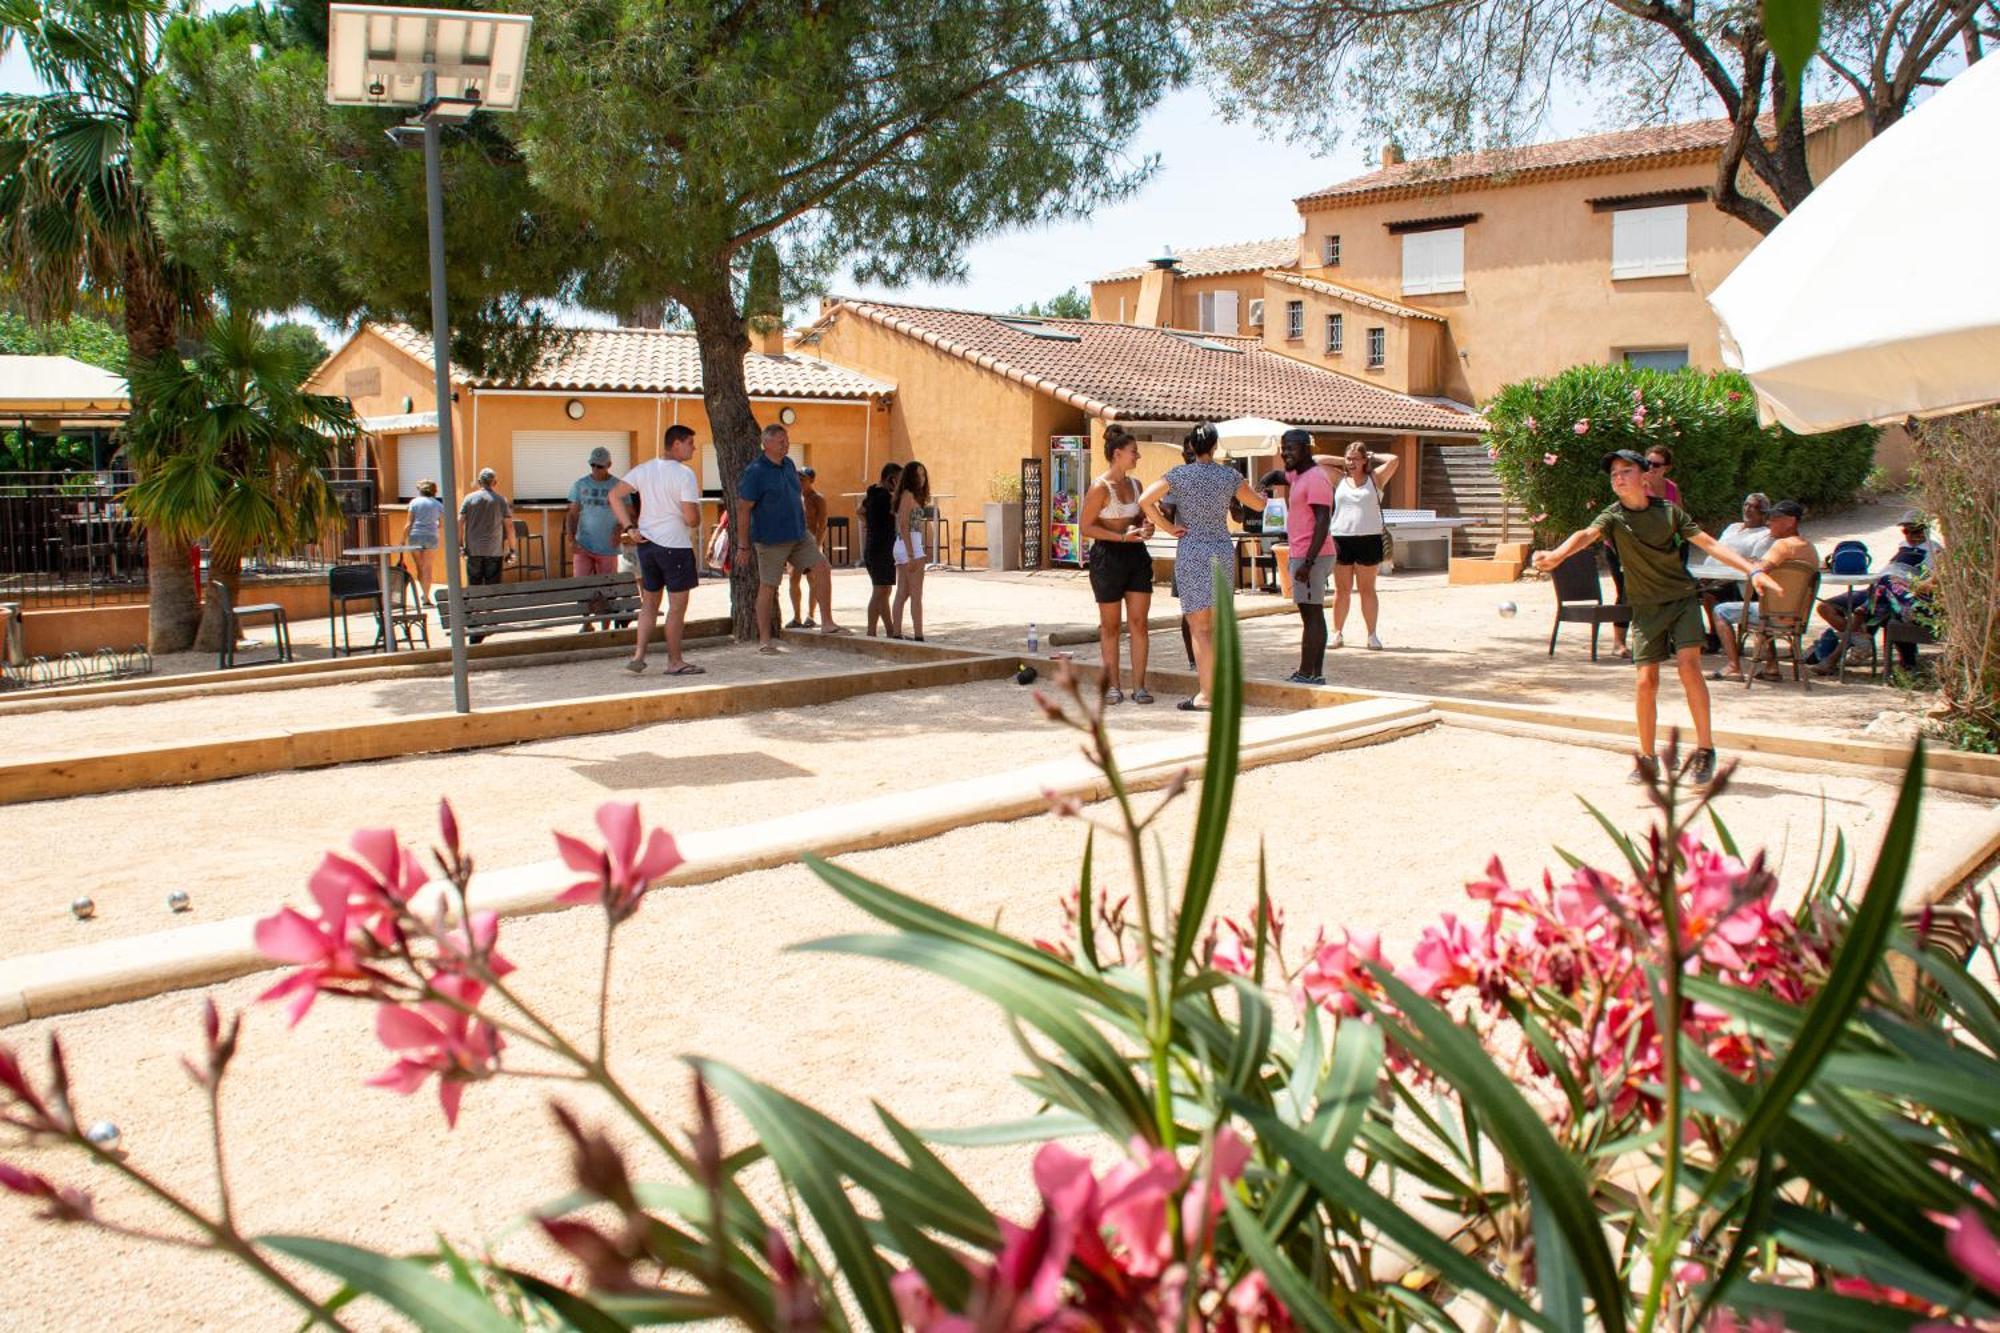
(1353, 297)
(1124, 372)
(654, 361)
(1241, 257)
(1593, 150)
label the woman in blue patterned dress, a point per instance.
(1200, 492)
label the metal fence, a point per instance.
(67, 540)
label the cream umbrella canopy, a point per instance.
(1248, 437)
(1878, 298)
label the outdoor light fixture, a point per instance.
(786, 416)
(443, 62)
(574, 409)
(442, 65)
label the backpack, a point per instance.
(1849, 557)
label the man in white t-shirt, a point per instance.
(669, 513)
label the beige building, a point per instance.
(1456, 276)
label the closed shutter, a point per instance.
(1649, 242)
(1434, 261)
(1204, 305)
(548, 462)
(1225, 313)
(417, 459)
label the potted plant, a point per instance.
(1003, 521)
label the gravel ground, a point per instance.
(1357, 838)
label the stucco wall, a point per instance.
(1539, 295)
(1411, 361)
(1105, 298)
(965, 424)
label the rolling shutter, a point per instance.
(417, 460)
(547, 462)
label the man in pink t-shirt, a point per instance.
(1308, 515)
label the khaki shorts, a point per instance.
(1662, 630)
(801, 555)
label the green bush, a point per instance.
(1546, 438)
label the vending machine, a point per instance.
(1069, 479)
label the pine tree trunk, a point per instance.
(152, 324)
(723, 344)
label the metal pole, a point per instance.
(461, 690)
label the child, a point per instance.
(1648, 532)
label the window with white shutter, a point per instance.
(1649, 242)
(1434, 261)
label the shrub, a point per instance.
(1958, 476)
(1546, 438)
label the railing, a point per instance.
(67, 540)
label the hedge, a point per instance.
(1546, 437)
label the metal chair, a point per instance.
(233, 617)
(1786, 618)
(937, 536)
(839, 543)
(531, 552)
(345, 585)
(1580, 600)
(1900, 631)
(406, 609)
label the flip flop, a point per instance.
(688, 669)
(771, 650)
(835, 629)
(1190, 706)
(1720, 674)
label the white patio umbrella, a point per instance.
(1248, 437)
(1878, 298)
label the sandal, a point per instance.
(1114, 695)
(688, 669)
(1142, 695)
(1190, 706)
(1720, 674)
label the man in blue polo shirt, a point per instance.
(770, 506)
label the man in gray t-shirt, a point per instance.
(484, 530)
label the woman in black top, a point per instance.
(878, 543)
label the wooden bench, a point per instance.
(494, 608)
(1407, 527)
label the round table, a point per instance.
(382, 554)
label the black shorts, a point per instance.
(1119, 568)
(1358, 550)
(881, 567)
(669, 567)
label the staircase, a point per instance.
(1458, 482)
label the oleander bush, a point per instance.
(1656, 1095)
(1547, 436)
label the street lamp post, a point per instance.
(444, 64)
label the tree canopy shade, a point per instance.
(1446, 76)
(661, 143)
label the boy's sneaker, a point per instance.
(1701, 770)
(1645, 769)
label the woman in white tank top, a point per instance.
(1121, 568)
(1358, 536)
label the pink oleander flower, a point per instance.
(1735, 397)
(1639, 415)
(1234, 953)
(1538, 518)
(459, 947)
(1582, 427)
(623, 869)
(439, 1037)
(1550, 460)
(1529, 422)
(383, 876)
(1446, 958)
(1251, 1307)
(1337, 975)
(1973, 1248)
(1492, 451)
(1727, 1321)
(332, 951)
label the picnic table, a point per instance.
(1714, 570)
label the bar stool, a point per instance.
(839, 546)
(937, 536)
(531, 551)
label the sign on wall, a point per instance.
(1031, 513)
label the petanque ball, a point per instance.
(1507, 610)
(1026, 676)
(104, 1134)
(177, 901)
(83, 909)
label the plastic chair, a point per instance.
(1580, 600)
(1783, 619)
(345, 585)
(531, 552)
(233, 617)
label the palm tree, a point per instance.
(75, 230)
(230, 448)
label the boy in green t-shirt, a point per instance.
(1648, 533)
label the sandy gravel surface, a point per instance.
(706, 970)
(242, 845)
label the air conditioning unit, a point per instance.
(1257, 313)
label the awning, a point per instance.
(1878, 298)
(403, 423)
(61, 389)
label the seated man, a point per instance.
(1786, 547)
(1749, 538)
(1860, 610)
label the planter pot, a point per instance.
(1003, 534)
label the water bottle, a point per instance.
(1034, 639)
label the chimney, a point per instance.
(1156, 292)
(767, 334)
(1392, 154)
